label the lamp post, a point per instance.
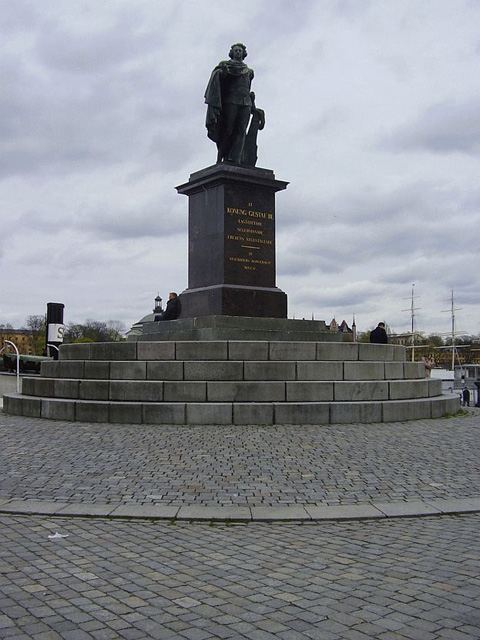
(158, 310)
(12, 344)
(158, 305)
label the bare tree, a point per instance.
(37, 327)
(95, 331)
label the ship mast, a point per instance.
(453, 331)
(412, 310)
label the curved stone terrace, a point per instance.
(240, 472)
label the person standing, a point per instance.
(379, 335)
(429, 364)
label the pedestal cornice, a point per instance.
(224, 172)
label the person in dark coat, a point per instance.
(379, 335)
(173, 308)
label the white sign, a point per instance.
(55, 333)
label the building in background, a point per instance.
(22, 338)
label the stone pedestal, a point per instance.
(231, 270)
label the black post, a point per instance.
(54, 333)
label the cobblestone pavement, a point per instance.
(415, 578)
(401, 579)
(235, 465)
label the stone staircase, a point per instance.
(231, 382)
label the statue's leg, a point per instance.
(228, 130)
(239, 133)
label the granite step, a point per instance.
(233, 370)
(229, 381)
(221, 413)
(233, 350)
(231, 391)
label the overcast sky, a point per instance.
(372, 115)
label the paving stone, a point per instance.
(91, 411)
(136, 390)
(6, 622)
(211, 370)
(211, 350)
(364, 370)
(209, 414)
(72, 369)
(351, 412)
(454, 505)
(185, 391)
(125, 412)
(136, 370)
(97, 370)
(33, 506)
(112, 351)
(292, 350)
(414, 370)
(248, 350)
(58, 409)
(280, 513)
(165, 413)
(145, 511)
(326, 371)
(257, 465)
(294, 413)
(194, 512)
(344, 512)
(253, 413)
(245, 391)
(156, 350)
(402, 410)
(311, 391)
(85, 509)
(64, 388)
(394, 370)
(357, 391)
(406, 389)
(93, 390)
(164, 370)
(337, 351)
(411, 508)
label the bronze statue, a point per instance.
(230, 105)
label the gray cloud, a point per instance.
(102, 115)
(99, 51)
(149, 219)
(447, 127)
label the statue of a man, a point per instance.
(229, 104)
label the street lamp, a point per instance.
(158, 305)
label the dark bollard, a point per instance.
(54, 328)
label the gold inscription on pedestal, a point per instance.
(249, 242)
(250, 213)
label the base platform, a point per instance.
(237, 328)
(232, 382)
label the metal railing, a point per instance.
(52, 346)
(18, 361)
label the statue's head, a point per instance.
(241, 46)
